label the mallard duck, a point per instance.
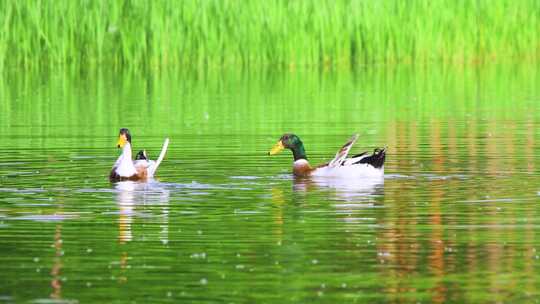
(142, 168)
(360, 165)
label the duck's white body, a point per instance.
(125, 168)
(124, 165)
(359, 166)
(350, 171)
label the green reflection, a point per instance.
(456, 219)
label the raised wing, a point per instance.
(341, 155)
(153, 168)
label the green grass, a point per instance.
(327, 33)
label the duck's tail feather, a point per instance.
(376, 159)
(161, 156)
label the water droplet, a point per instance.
(204, 281)
(314, 261)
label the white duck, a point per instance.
(142, 168)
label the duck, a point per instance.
(141, 168)
(360, 165)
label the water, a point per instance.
(456, 218)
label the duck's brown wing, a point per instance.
(341, 155)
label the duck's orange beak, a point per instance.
(276, 148)
(122, 140)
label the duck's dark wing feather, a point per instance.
(376, 159)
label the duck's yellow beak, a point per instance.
(121, 141)
(276, 148)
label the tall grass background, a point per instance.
(288, 34)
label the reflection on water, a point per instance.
(56, 282)
(131, 196)
(132, 199)
(346, 189)
(455, 219)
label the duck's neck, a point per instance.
(124, 165)
(301, 165)
(126, 152)
(299, 152)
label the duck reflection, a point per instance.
(139, 195)
(148, 195)
(349, 190)
(56, 282)
(278, 200)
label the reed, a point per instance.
(327, 33)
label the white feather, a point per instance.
(342, 153)
(124, 165)
(353, 160)
(341, 166)
(351, 171)
(300, 163)
(153, 166)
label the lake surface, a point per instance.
(456, 218)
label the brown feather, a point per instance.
(302, 170)
(142, 174)
(343, 152)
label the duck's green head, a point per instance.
(292, 142)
